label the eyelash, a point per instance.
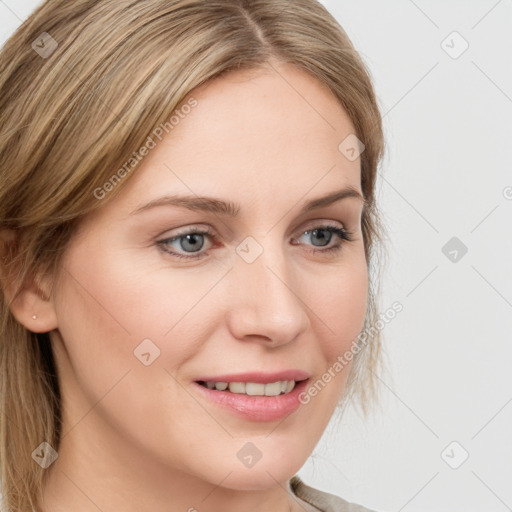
(343, 234)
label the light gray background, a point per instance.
(447, 172)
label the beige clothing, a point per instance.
(323, 501)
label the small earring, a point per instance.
(34, 316)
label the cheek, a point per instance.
(339, 306)
(106, 308)
(108, 304)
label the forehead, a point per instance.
(275, 104)
(257, 134)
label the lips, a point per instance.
(255, 396)
(259, 377)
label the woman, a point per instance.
(188, 222)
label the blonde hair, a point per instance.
(71, 118)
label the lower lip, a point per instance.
(256, 408)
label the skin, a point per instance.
(140, 437)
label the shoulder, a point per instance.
(322, 500)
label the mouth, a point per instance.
(280, 387)
(255, 396)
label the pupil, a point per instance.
(326, 239)
(194, 240)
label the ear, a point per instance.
(31, 303)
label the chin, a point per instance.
(254, 479)
(250, 469)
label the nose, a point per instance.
(266, 300)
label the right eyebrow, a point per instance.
(195, 203)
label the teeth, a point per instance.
(237, 387)
(290, 385)
(254, 388)
(273, 389)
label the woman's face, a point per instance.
(145, 312)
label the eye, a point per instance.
(321, 236)
(188, 244)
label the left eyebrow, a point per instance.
(321, 202)
(220, 206)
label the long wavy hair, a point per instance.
(82, 86)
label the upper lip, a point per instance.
(258, 377)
